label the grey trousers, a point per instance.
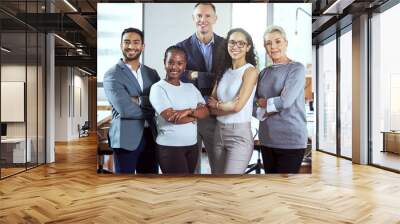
(205, 135)
(233, 147)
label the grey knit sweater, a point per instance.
(287, 128)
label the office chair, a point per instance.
(258, 165)
(84, 130)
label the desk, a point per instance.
(13, 150)
(391, 141)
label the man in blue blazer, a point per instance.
(127, 87)
(206, 58)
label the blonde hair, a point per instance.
(274, 28)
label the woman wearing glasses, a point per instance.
(232, 102)
(280, 107)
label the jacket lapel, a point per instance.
(197, 53)
(127, 72)
(145, 77)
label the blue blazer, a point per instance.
(128, 118)
(195, 62)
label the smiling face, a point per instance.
(275, 45)
(175, 64)
(132, 46)
(204, 17)
(238, 46)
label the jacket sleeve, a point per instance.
(119, 98)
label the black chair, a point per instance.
(103, 148)
(84, 130)
(258, 165)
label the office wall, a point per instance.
(17, 73)
(71, 102)
(168, 24)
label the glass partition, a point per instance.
(22, 90)
(13, 95)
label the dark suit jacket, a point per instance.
(128, 118)
(196, 62)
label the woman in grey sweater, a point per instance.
(279, 105)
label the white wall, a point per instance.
(69, 82)
(168, 24)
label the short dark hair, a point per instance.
(133, 30)
(206, 3)
(174, 48)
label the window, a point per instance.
(385, 88)
(346, 94)
(327, 97)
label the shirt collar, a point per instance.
(207, 44)
(130, 67)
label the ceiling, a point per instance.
(76, 23)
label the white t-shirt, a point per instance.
(164, 95)
(228, 89)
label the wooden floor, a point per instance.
(70, 191)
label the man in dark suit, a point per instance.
(127, 87)
(206, 59)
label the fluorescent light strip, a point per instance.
(86, 72)
(70, 5)
(331, 7)
(65, 41)
(5, 50)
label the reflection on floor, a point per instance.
(386, 159)
(70, 191)
(10, 171)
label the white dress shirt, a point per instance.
(139, 78)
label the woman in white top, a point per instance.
(232, 102)
(178, 105)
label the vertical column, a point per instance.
(50, 92)
(360, 90)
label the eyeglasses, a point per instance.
(239, 44)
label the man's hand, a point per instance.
(193, 75)
(135, 99)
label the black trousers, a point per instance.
(178, 159)
(147, 162)
(281, 160)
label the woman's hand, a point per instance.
(261, 102)
(212, 102)
(230, 105)
(177, 115)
